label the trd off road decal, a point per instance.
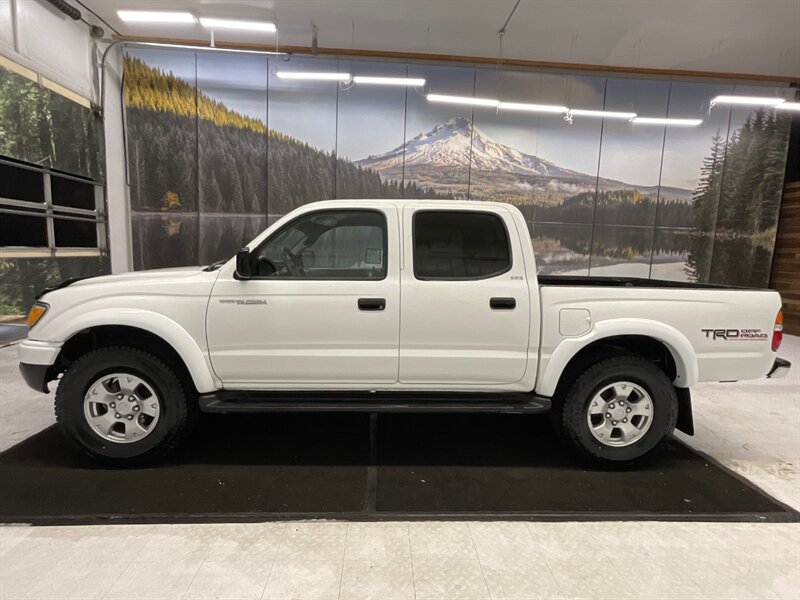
(736, 335)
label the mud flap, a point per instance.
(685, 420)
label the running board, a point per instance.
(256, 402)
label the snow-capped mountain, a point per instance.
(455, 143)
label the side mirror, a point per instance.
(244, 266)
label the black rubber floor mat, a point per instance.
(337, 466)
(510, 464)
(231, 465)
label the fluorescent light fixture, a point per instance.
(547, 108)
(329, 76)
(788, 106)
(606, 114)
(155, 16)
(667, 121)
(211, 23)
(407, 81)
(752, 100)
(462, 100)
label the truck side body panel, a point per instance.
(713, 335)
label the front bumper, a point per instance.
(35, 360)
(35, 352)
(35, 376)
(780, 368)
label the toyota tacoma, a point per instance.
(390, 305)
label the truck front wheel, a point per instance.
(123, 406)
(620, 411)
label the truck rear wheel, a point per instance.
(619, 412)
(123, 406)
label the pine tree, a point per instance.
(774, 170)
(706, 195)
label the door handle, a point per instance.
(502, 303)
(371, 303)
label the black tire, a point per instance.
(177, 413)
(574, 405)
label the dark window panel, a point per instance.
(459, 245)
(72, 193)
(17, 183)
(75, 234)
(22, 230)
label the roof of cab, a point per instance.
(402, 202)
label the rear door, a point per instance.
(465, 298)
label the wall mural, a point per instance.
(219, 147)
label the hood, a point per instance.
(182, 281)
(175, 273)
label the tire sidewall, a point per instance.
(86, 371)
(634, 370)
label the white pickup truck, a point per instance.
(389, 305)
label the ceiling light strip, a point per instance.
(749, 100)
(468, 100)
(213, 23)
(546, 108)
(155, 16)
(405, 81)
(605, 114)
(788, 106)
(667, 121)
(318, 76)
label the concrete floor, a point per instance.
(23, 412)
(752, 427)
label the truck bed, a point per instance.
(724, 331)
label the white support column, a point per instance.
(117, 191)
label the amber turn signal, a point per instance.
(37, 312)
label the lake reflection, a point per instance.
(663, 253)
(172, 239)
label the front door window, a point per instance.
(331, 244)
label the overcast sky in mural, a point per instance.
(374, 119)
(237, 80)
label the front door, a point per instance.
(466, 306)
(322, 309)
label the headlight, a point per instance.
(37, 312)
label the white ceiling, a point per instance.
(739, 36)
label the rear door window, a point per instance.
(459, 245)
